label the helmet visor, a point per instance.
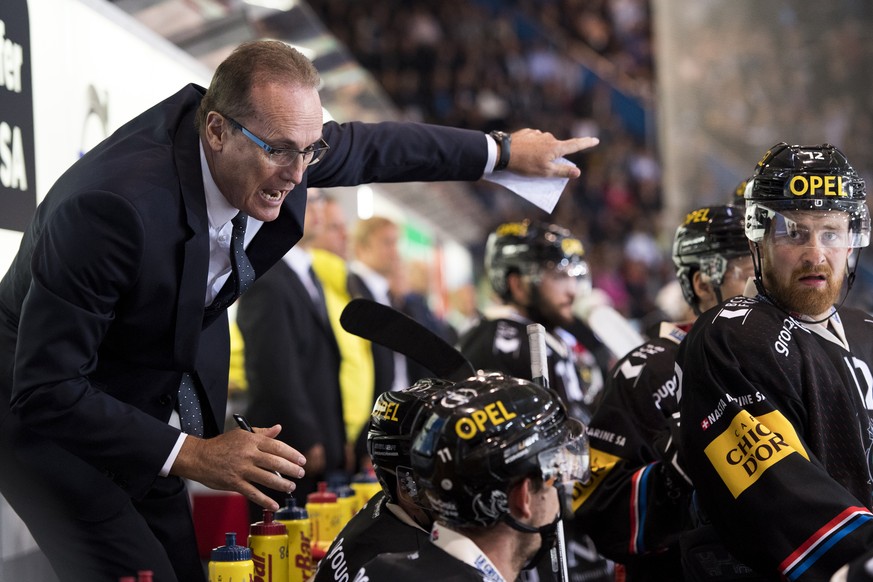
(573, 273)
(568, 461)
(810, 223)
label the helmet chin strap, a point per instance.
(718, 297)
(548, 534)
(759, 285)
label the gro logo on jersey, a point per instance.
(750, 446)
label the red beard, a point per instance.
(801, 299)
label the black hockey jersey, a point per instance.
(776, 434)
(374, 530)
(458, 561)
(636, 504)
(859, 570)
(502, 345)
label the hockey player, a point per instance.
(637, 502)
(396, 519)
(537, 270)
(776, 386)
(493, 456)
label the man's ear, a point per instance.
(702, 287)
(216, 126)
(520, 499)
(518, 292)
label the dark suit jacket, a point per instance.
(102, 309)
(292, 363)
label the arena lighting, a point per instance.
(365, 202)
(275, 4)
(306, 52)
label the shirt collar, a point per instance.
(376, 283)
(465, 550)
(299, 260)
(219, 210)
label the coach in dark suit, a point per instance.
(103, 311)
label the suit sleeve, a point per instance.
(361, 153)
(749, 416)
(87, 257)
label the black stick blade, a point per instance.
(397, 331)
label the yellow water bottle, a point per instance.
(326, 516)
(268, 540)
(348, 502)
(230, 562)
(296, 521)
(365, 485)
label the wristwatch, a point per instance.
(504, 139)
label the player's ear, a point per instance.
(702, 287)
(521, 499)
(519, 291)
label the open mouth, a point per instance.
(273, 195)
(814, 278)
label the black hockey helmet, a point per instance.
(707, 239)
(795, 177)
(738, 195)
(485, 434)
(527, 247)
(390, 433)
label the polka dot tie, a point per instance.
(190, 413)
(242, 273)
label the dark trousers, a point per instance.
(155, 533)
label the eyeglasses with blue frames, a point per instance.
(285, 156)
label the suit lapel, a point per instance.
(297, 286)
(195, 260)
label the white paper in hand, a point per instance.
(543, 192)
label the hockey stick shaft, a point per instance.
(539, 370)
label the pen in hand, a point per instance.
(244, 424)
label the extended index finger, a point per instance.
(576, 144)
